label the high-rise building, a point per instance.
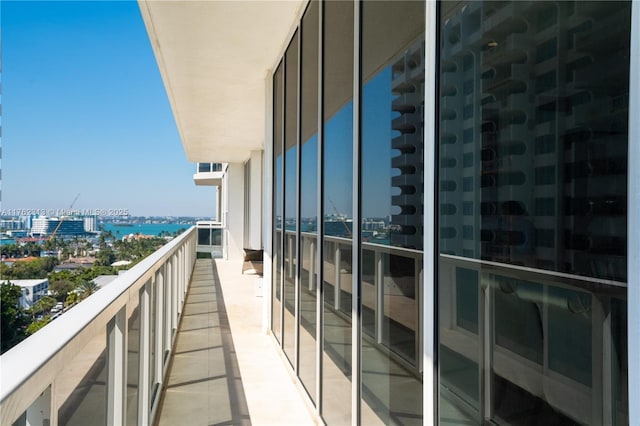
(90, 223)
(63, 227)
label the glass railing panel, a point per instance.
(80, 390)
(133, 360)
(308, 313)
(370, 263)
(400, 317)
(153, 335)
(216, 236)
(344, 276)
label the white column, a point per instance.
(255, 194)
(145, 352)
(429, 349)
(633, 217)
(235, 210)
(116, 367)
(267, 224)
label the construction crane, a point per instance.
(62, 218)
(341, 218)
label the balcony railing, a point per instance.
(209, 174)
(105, 360)
(210, 238)
(386, 296)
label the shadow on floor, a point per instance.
(204, 386)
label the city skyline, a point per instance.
(85, 112)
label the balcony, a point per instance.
(155, 347)
(209, 174)
(210, 239)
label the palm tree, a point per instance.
(72, 299)
(87, 288)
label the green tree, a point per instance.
(31, 249)
(72, 299)
(105, 257)
(43, 304)
(11, 250)
(37, 325)
(60, 288)
(13, 319)
(36, 268)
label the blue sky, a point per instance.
(84, 111)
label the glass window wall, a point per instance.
(532, 131)
(278, 172)
(308, 288)
(392, 76)
(337, 210)
(290, 196)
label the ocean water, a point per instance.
(144, 228)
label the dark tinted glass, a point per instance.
(290, 194)
(338, 208)
(391, 198)
(278, 172)
(309, 199)
(533, 107)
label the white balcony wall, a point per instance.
(233, 200)
(255, 194)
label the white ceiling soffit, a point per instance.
(214, 57)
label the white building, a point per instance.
(63, 226)
(32, 290)
(90, 223)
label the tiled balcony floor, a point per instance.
(225, 370)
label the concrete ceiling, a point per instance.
(214, 58)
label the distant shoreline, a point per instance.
(119, 229)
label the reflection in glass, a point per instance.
(278, 114)
(308, 198)
(533, 107)
(337, 209)
(392, 236)
(290, 195)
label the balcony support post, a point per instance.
(159, 334)
(174, 296)
(145, 352)
(336, 284)
(418, 297)
(312, 264)
(116, 367)
(166, 311)
(379, 283)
